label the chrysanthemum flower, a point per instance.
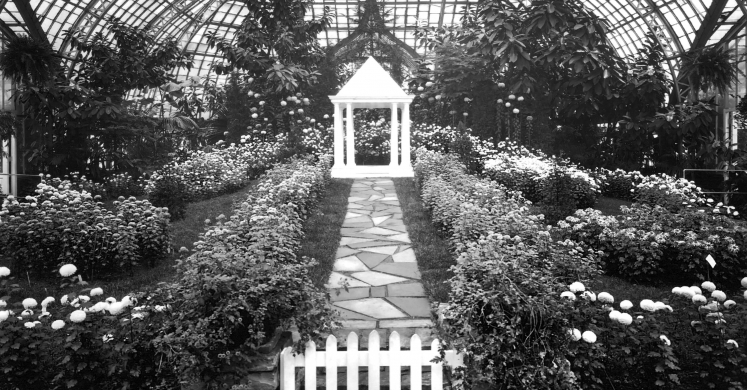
(729, 304)
(116, 308)
(626, 305)
(614, 314)
(68, 270)
(699, 299)
(732, 342)
(625, 319)
(648, 305)
(719, 295)
(568, 295)
(744, 282)
(696, 290)
(5, 271)
(589, 337)
(29, 325)
(78, 316)
(708, 286)
(605, 297)
(589, 295)
(47, 301)
(29, 303)
(96, 291)
(575, 334)
(665, 339)
(58, 324)
(577, 287)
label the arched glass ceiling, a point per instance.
(676, 22)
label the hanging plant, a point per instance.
(25, 60)
(709, 69)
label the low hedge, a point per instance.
(64, 226)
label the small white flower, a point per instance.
(708, 286)
(665, 339)
(677, 290)
(614, 315)
(732, 342)
(626, 305)
(3, 303)
(84, 298)
(63, 299)
(4, 271)
(605, 297)
(589, 295)
(648, 305)
(699, 299)
(719, 295)
(729, 304)
(744, 282)
(29, 325)
(577, 287)
(96, 291)
(625, 319)
(575, 334)
(78, 316)
(58, 324)
(116, 308)
(569, 295)
(696, 290)
(47, 301)
(107, 338)
(68, 270)
(4, 315)
(29, 303)
(589, 337)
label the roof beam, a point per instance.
(6, 30)
(32, 22)
(733, 31)
(709, 24)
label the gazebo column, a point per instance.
(339, 139)
(406, 137)
(351, 135)
(394, 141)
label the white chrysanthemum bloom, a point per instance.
(719, 295)
(744, 282)
(589, 295)
(626, 305)
(577, 287)
(116, 308)
(59, 324)
(63, 300)
(625, 319)
(677, 290)
(696, 290)
(110, 300)
(648, 305)
(27, 313)
(5, 271)
(589, 337)
(665, 339)
(29, 325)
(693, 323)
(96, 291)
(732, 342)
(127, 301)
(729, 304)
(138, 316)
(605, 297)
(569, 295)
(100, 306)
(4, 315)
(47, 301)
(708, 286)
(3, 303)
(84, 298)
(29, 303)
(659, 305)
(687, 292)
(699, 299)
(68, 270)
(614, 314)
(78, 316)
(575, 334)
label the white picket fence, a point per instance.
(374, 359)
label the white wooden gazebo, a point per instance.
(371, 87)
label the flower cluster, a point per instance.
(668, 192)
(61, 225)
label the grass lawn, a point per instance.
(323, 230)
(431, 250)
(184, 233)
(610, 206)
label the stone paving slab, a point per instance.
(375, 283)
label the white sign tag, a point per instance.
(711, 261)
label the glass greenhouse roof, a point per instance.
(678, 24)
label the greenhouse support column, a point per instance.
(13, 166)
(5, 180)
(351, 135)
(394, 141)
(406, 136)
(339, 139)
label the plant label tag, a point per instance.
(711, 261)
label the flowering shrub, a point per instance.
(619, 183)
(667, 191)
(650, 243)
(82, 341)
(521, 169)
(209, 174)
(61, 225)
(113, 186)
(244, 278)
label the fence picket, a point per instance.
(437, 373)
(331, 362)
(288, 369)
(353, 363)
(416, 369)
(374, 362)
(310, 365)
(395, 374)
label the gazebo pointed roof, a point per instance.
(371, 81)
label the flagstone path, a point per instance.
(378, 265)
